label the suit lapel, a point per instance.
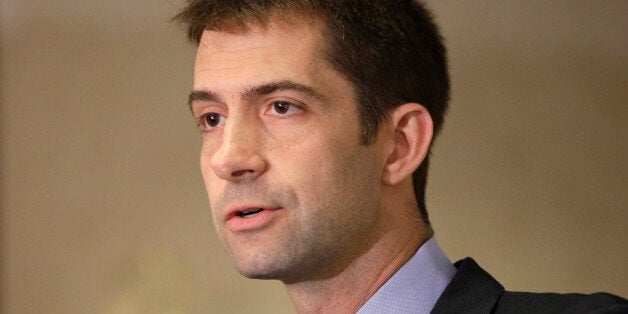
(472, 290)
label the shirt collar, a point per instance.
(416, 286)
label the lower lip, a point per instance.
(262, 219)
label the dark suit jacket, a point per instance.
(473, 290)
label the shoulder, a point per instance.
(526, 302)
(473, 290)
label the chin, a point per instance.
(260, 273)
(259, 266)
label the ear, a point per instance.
(413, 129)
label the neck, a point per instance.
(401, 236)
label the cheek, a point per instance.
(333, 173)
(206, 170)
(339, 196)
(213, 186)
(205, 163)
(208, 148)
(212, 182)
(317, 155)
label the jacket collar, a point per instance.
(472, 290)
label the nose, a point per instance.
(238, 157)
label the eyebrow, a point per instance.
(256, 91)
(202, 95)
(285, 85)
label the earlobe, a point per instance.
(413, 129)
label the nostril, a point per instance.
(238, 165)
(241, 172)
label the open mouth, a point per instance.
(250, 212)
(251, 217)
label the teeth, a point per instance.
(250, 213)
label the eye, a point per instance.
(283, 108)
(211, 120)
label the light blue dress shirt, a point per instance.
(416, 286)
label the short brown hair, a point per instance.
(390, 50)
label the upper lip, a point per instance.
(235, 210)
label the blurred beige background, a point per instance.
(103, 208)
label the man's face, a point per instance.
(293, 193)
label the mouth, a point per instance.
(249, 213)
(249, 218)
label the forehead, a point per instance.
(278, 45)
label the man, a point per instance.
(317, 119)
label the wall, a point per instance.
(103, 208)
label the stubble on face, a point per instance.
(328, 221)
(325, 181)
